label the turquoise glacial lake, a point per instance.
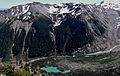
(54, 70)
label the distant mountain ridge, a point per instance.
(3, 8)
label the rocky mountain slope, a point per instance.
(37, 30)
(111, 4)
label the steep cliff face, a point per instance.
(25, 29)
(37, 29)
(82, 28)
(80, 31)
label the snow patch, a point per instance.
(17, 8)
(1, 14)
(64, 10)
(90, 7)
(60, 4)
(29, 13)
(56, 24)
(12, 10)
(29, 17)
(118, 24)
(12, 13)
(52, 9)
(100, 10)
(18, 17)
(118, 18)
(16, 14)
(17, 11)
(25, 9)
(24, 17)
(74, 56)
(7, 19)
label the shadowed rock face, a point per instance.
(37, 29)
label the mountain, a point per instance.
(3, 8)
(37, 30)
(111, 4)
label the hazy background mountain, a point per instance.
(3, 8)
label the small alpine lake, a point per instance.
(51, 69)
